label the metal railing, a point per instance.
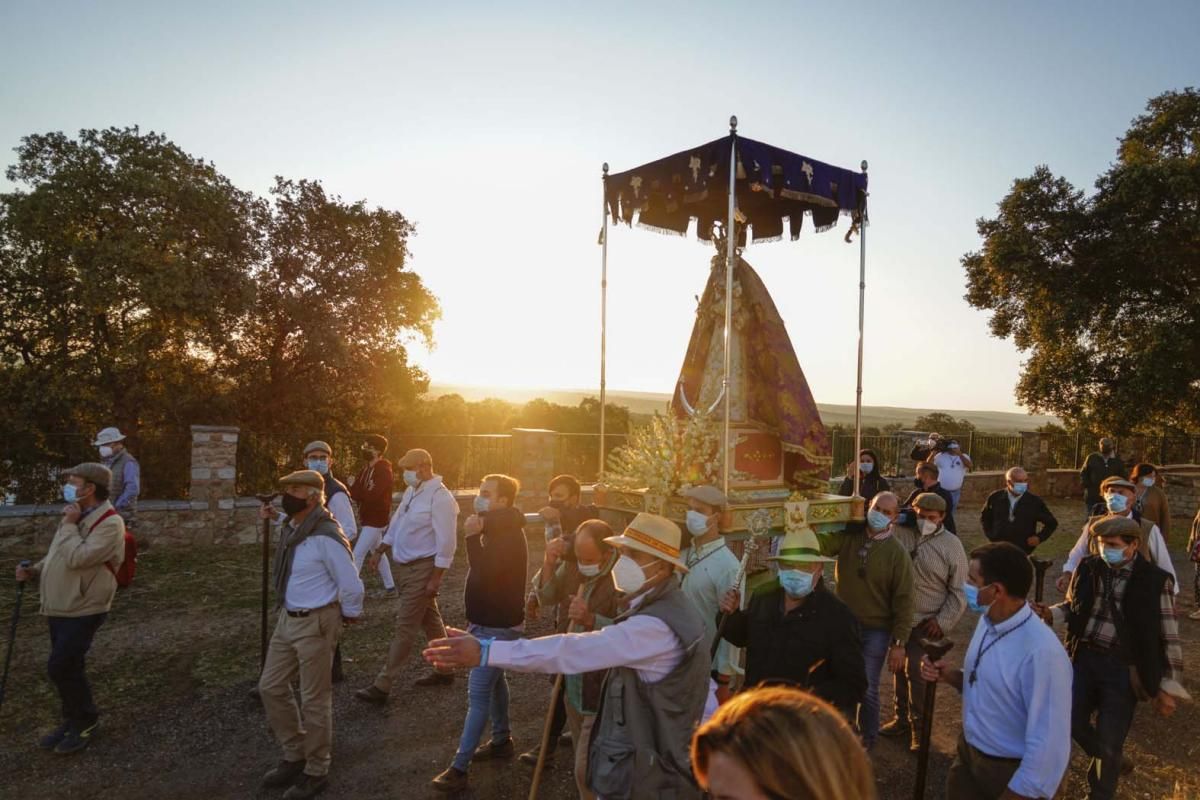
(578, 454)
(988, 452)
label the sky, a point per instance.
(486, 124)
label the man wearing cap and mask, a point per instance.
(939, 571)
(1123, 637)
(1119, 495)
(797, 631)
(126, 474)
(317, 589)
(658, 662)
(77, 584)
(1098, 466)
(372, 490)
(712, 571)
(420, 540)
(927, 481)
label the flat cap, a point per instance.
(1116, 525)
(414, 457)
(930, 502)
(1117, 482)
(303, 477)
(318, 445)
(92, 473)
(709, 495)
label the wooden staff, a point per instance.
(265, 499)
(554, 695)
(1040, 565)
(936, 650)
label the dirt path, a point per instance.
(173, 665)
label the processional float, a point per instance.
(772, 454)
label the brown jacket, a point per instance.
(75, 577)
(1153, 506)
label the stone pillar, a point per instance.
(1035, 458)
(534, 452)
(214, 467)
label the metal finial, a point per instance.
(605, 167)
(864, 165)
(733, 124)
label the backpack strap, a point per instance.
(112, 512)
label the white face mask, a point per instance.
(1147, 482)
(628, 575)
(410, 477)
(105, 451)
(482, 504)
(589, 570)
(926, 526)
(697, 523)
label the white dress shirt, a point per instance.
(1020, 704)
(425, 524)
(323, 571)
(339, 505)
(1158, 552)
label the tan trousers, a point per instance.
(302, 646)
(581, 734)
(416, 611)
(975, 776)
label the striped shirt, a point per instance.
(939, 570)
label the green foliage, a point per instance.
(944, 424)
(1103, 292)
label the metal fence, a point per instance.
(988, 452)
(578, 454)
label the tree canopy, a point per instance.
(1102, 292)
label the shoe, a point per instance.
(372, 694)
(284, 773)
(307, 786)
(75, 739)
(494, 752)
(565, 740)
(897, 727)
(1195, 614)
(531, 757)
(51, 739)
(450, 781)
(435, 678)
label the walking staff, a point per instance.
(12, 634)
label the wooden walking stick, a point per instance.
(1040, 565)
(265, 499)
(554, 694)
(936, 650)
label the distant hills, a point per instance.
(831, 413)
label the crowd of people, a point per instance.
(669, 680)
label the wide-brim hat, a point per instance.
(108, 436)
(800, 547)
(1116, 525)
(92, 473)
(709, 495)
(318, 445)
(303, 477)
(655, 535)
(1116, 482)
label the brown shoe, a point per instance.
(285, 773)
(306, 787)
(494, 752)
(450, 781)
(372, 694)
(435, 678)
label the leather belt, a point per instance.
(304, 612)
(415, 561)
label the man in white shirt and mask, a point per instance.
(712, 571)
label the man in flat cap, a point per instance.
(420, 540)
(317, 589)
(1123, 637)
(658, 662)
(1119, 495)
(939, 570)
(712, 571)
(77, 584)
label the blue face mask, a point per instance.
(972, 593)
(866, 467)
(1020, 488)
(1117, 503)
(878, 520)
(69, 493)
(1114, 555)
(796, 583)
(320, 466)
(482, 504)
(697, 523)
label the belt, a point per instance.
(999, 759)
(415, 561)
(304, 612)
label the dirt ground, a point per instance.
(172, 667)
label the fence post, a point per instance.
(1035, 451)
(214, 480)
(1078, 445)
(533, 457)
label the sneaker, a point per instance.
(451, 780)
(1195, 614)
(284, 773)
(307, 786)
(531, 757)
(435, 678)
(51, 739)
(372, 694)
(494, 752)
(897, 727)
(75, 739)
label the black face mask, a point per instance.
(558, 505)
(293, 505)
(367, 454)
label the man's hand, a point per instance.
(730, 601)
(723, 694)
(1063, 582)
(265, 511)
(551, 515)
(532, 606)
(579, 614)
(473, 525)
(1043, 611)
(931, 630)
(555, 549)
(895, 659)
(24, 573)
(932, 671)
(71, 513)
(1032, 541)
(1164, 704)
(434, 586)
(458, 649)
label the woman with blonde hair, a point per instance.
(780, 744)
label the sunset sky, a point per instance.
(486, 124)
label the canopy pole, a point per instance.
(603, 310)
(730, 242)
(862, 296)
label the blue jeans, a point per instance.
(1101, 686)
(875, 649)
(954, 497)
(487, 696)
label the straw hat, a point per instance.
(800, 547)
(652, 534)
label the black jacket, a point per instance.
(816, 646)
(495, 591)
(1029, 511)
(869, 485)
(1096, 469)
(908, 516)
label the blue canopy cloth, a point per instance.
(772, 186)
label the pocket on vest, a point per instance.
(611, 768)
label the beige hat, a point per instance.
(930, 502)
(413, 458)
(1114, 481)
(318, 445)
(800, 547)
(1116, 525)
(650, 533)
(709, 495)
(303, 477)
(108, 436)
(92, 473)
